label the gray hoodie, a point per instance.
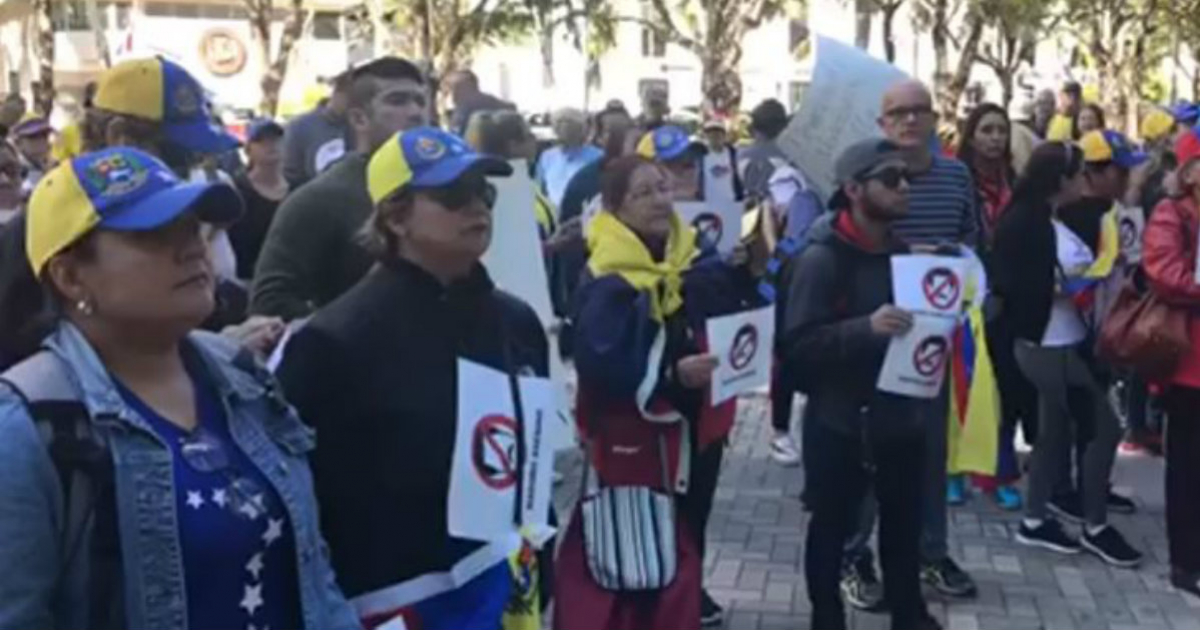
(828, 347)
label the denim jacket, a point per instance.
(33, 594)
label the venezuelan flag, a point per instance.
(974, 422)
(1083, 288)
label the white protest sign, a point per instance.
(514, 261)
(915, 364)
(840, 107)
(924, 283)
(742, 342)
(485, 472)
(718, 223)
(276, 358)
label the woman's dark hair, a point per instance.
(1048, 165)
(29, 309)
(966, 145)
(769, 118)
(147, 132)
(1095, 109)
(615, 178)
(375, 235)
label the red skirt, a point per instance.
(580, 604)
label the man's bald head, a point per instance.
(907, 117)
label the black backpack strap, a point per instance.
(85, 473)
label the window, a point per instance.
(70, 16)
(653, 44)
(159, 9)
(326, 25)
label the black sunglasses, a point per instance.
(462, 193)
(889, 177)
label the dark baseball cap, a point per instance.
(262, 129)
(857, 160)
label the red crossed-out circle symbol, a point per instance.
(494, 451)
(941, 288)
(745, 346)
(930, 355)
(709, 229)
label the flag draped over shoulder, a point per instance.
(1082, 289)
(974, 423)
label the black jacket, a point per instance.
(375, 374)
(1024, 257)
(827, 342)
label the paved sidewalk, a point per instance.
(756, 538)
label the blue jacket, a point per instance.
(32, 513)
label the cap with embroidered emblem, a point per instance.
(161, 91)
(668, 143)
(425, 157)
(121, 189)
(1110, 146)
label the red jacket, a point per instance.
(1169, 258)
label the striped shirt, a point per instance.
(941, 206)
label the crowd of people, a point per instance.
(159, 474)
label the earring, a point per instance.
(85, 306)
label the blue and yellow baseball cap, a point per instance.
(1110, 146)
(425, 157)
(121, 189)
(1156, 125)
(162, 91)
(668, 143)
(1185, 112)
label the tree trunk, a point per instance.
(958, 82)
(941, 54)
(721, 84)
(1006, 86)
(863, 12)
(889, 35)
(546, 43)
(44, 93)
(272, 81)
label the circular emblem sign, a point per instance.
(222, 52)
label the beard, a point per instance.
(879, 212)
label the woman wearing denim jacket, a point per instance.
(205, 517)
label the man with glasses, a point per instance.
(375, 374)
(836, 332)
(942, 212)
(311, 254)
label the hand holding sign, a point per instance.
(696, 371)
(915, 364)
(742, 343)
(890, 321)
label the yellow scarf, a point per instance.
(614, 248)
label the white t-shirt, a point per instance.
(1066, 327)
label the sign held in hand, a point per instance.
(743, 343)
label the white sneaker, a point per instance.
(784, 451)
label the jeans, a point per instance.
(1183, 478)
(839, 477)
(934, 528)
(1057, 372)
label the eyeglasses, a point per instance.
(890, 177)
(899, 114)
(461, 194)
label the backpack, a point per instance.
(86, 475)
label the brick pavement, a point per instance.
(756, 538)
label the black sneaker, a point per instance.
(1068, 507)
(1186, 581)
(1118, 504)
(861, 587)
(711, 613)
(1049, 535)
(948, 578)
(1112, 548)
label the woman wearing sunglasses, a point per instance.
(375, 372)
(154, 476)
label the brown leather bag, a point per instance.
(1144, 333)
